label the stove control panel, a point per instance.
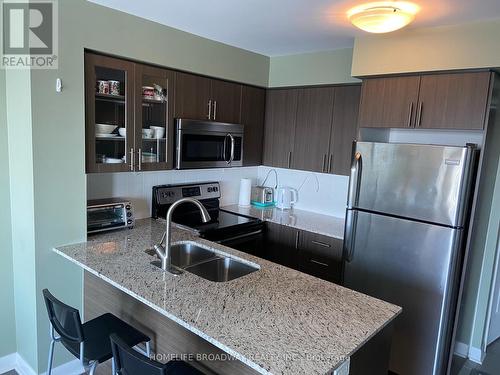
(168, 194)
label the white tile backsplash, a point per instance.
(137, 186)
(322, 193)
(318, 192)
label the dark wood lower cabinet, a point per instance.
(320, 256)
(311, 253)
(280, 245)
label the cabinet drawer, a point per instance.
(321, 256)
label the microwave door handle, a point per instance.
(224, 149)
(231, 156)
(232, 148)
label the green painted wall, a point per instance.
(51, 169)
(466, 46)
(18, 87)
(85, 24)
(316, 68)
(7, 317)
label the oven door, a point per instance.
(203, 144)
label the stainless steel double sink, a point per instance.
(205, 263)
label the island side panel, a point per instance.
(373, 357)
(167, 336)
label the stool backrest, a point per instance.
(130, 362)
(64, 319)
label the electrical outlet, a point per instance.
(343, 369)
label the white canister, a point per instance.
(245, 191)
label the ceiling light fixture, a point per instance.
(383, 16)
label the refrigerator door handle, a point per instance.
(355, 180)
(350, 234)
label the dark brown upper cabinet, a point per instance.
(453, 101)
(389, 102)
(253, 103)
(226, 101)
(202, 98)
(154, 115)
(429, 101)
(313, 128)
(120, 124)
(344, 128)
(192, 95)
(281, 115)
(106, 112)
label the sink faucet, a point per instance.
(163, 250)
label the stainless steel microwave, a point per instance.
(206, 144)
(109, 214)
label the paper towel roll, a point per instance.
(245, 191)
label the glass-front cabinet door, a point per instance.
(109, 114)
(153, 118)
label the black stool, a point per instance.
(128, 362)
(88, 342)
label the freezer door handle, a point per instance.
(355, 180)
(350, 234)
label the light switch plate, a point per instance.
(343, 369)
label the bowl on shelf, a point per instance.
(148, 157)
(122, 132)
(159, 131)
(104, 128)
(147, 133)
(113, 160)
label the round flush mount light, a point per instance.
(383, 16)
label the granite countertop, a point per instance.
(275, 320)
(306, 220)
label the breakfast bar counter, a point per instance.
(274, 321)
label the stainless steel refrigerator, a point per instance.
(405, 225)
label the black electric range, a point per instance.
(227, 228)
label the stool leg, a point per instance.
(92, 368)
(51, 357)
(113, 366)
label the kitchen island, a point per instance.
(273, 321)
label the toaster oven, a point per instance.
(109, 214)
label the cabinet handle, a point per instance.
(209, 109)
(297, 235)
(215, 109)
(139, 153)
(419, 116)
(408, 124)
(324, 164)
(319, 243)
(320, 263)
(132, 156)
(289, 158)
(330, 161)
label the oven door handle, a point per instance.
(239, 237)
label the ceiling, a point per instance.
(282, 27)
